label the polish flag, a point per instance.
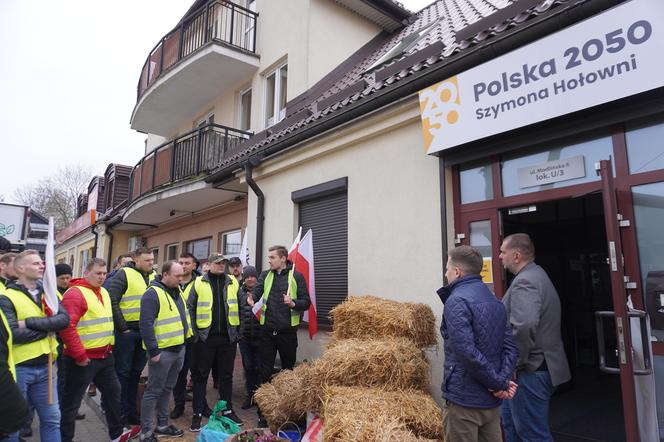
(301, 255)
(50, 299)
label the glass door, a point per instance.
(477, 229)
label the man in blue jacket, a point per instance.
(480, 354)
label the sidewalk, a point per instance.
(90, 429)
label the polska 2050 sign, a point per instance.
(616, 62)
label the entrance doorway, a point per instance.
(571, 245)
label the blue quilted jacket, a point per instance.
(480, 354)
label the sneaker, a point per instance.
(230, 414)
(177, 412)
(248, 403)
(207, 411)
(169, 431)
(196, 423)
(129, 434)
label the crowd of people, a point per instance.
(180, 322)
(503, 358)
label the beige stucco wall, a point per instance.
(211, 223)
(394, 228)
(73, 247)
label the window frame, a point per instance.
(222, 243)
(243, 92)
(278, 114)
(205, 238)
(167, 247)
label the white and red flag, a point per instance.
(301, 255)
(50, 298)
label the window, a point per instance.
(324, 210)
(200, 248)
(275, 95)
(645, 146)
(404, 45)
(171, 252)
(250, 26)
(231, 243)
(476, 183)
(155, 252)
(245, 110)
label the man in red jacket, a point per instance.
(88, 353)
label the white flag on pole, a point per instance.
(244, 251)
(50, 280)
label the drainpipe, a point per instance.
(260, 218)
(96, 234)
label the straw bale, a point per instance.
(387, 364)
(288, 396)
(362, 316)
(368, 415)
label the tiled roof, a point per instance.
(450, 17)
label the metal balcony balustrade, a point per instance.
(189, 155)
(217, 20)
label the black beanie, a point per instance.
(249, 271)
(62, 269)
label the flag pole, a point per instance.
(50, 371)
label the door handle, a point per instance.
(599, 324)
(621, 352)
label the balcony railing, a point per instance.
(186, 156)
(217, 20)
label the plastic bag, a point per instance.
(207, 435)
(218, 422)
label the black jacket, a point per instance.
(278, 315)
(35, 328)
(219, 314)
(13, 407)
(249, 325)
(150, 310)
(117, 286)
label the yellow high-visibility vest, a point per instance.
(10, 352)
(95, 327)
(168, 327)
(26, 308)
(130, 304)
(204, 302)
(295, 315)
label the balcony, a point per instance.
(210, 52)
(171, 178)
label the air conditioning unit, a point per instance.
(135, 242)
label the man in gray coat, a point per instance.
(533, 310)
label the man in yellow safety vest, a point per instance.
(88, 351)
(165, 327)
(214, 310)
(13, 407)
(285, 296)
(23, 305)
(126, 290)
(7, 272)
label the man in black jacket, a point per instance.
(22, 304)
(285, 296)
(13, 407)
(250, 333)
(213, 305)
(126, 289)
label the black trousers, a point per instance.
(270, 343)
(180, 389)
(77, 379)
(219, 351)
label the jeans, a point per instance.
(526, 416)
(77, 379)
(33, 383)
(162, 376)
(130, 359)
(217, 351)
(271, 342)
(249, 349)
(180, 389)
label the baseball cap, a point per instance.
(217, 258)
(235, 261)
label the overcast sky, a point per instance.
(68, 81)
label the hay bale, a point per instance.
(393, 364)
(288, 396)
(362, 316)
(368, 415)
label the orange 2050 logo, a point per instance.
(439, 107)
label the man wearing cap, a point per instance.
(214, 310)
(126, 290)
(165, 326)
(88, 353)
(249, 333)
(235, 268)
(63, 274)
